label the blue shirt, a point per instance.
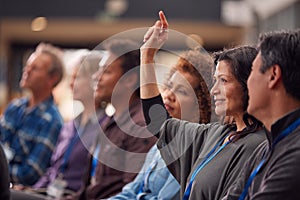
(158, 183)
(31, 134)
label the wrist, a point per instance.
(147, 57)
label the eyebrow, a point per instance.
(223, 74)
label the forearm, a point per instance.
(24, 174)
(148, 80)
(130, 190)
(170, 190)
(155, 114)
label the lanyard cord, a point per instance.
(206, 160)
(96, 152)
(282, 135)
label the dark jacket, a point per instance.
(124, 144)
(4, 177)
(279, 178)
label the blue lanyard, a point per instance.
(207, 159)
(67, 153)
(95, 160)
(282, 135)
(96, 151)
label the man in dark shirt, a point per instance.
(272, 172)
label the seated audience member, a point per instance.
(204, 158)
(70, 159)
(272, 171)
(124, 141)
(30, 126)
(184, 86)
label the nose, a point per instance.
(72, 83)
(26, 68)
(214, 90)
(96, 76)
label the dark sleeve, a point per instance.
(155, 113)
(4, 176)
(181, 142)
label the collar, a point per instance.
(41, 107)
(282, 123)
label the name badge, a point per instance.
(56, 188)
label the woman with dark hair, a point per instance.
(204, 158)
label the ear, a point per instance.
(53, 80)
(275, 76)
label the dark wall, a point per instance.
(208, 10)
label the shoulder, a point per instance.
(67, 129)
(51, 113)
(254, 139)
(252, 144)
(17, 103)
(177, 124)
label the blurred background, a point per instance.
(82, 24)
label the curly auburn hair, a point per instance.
(199, 64)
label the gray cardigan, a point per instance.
(184, 145)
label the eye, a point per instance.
(34, 68)
(182, 91)
(167, 86)
(223, 80)
(106, 72)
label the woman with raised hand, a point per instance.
(183, 86)
(204, 158)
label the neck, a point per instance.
(240, 125)
(278, 110)
(122, 105)
(86, 114)
(38, 98)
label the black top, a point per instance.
(155, 114)
(4, 176)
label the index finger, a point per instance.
(163, 19)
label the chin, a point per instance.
(220, 112)
(251, 112)
(97, 98)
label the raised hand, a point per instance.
(156, 35)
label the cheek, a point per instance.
(235, 98)
(251, 86)
(188, 104)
